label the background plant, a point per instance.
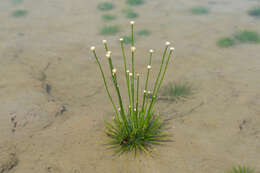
(174, 91)
(243, 36)
(135, 2)
(17, 1)
(130, 13)
(19, 13)
(254, 11)
(225, 42)
(143, 32)
(247, 36)
(199, 10)
(105, 6)
(108, 17)
(135, 127)
(240, 169)
(109, 30)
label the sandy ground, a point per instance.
(53, 103)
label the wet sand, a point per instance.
(53, 103)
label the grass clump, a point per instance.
(143, 32)
(199, 10)
(105, 6)
(240, 169)
(19, 13)
(108, 17)
(109, 30)
(135, 126)
(17, 1)
(174, 91)
(225, 42)
(255, 11)
(129, 13)
(244, 36)
(247, 36)
(135, 2)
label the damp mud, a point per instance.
(53, 103)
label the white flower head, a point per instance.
(104, 41)
(127, 71)
(121, 39)
(172, 48)
(167, 43)
(132, 22)
(151, 51)
(133, 49)
(149, 67)
(144, 91)
(108, 54)
(149, 92)
(114, 71)
(137, 74)
(135, 109)
(92, 48)
(119, 109)
(130, 74)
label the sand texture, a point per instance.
(53, 102)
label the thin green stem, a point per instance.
(129, 94)
(132, 35)
(166, 66)
(133, 70)
(126, 73)
(132, 99)
(147, 102)
(149, 115)
(114, 77)
(105, 83)
(105, 45)
(147, 79)
(158, 76)
(109, 59)
(133, 66)
(137, 97)
(122, 111)
(133, 83)
(145, 109)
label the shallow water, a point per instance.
(53, 103)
